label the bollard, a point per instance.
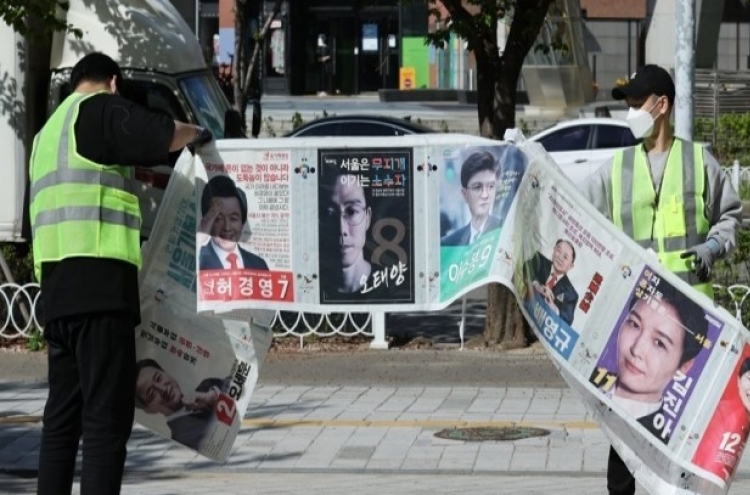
(378, 331)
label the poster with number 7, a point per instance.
(244, 229)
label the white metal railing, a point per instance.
(738, 174)
(18, 310)
(18, 318)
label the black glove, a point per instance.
(203, 136)
(704, 257)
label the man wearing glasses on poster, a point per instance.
(478, 184)
(347, 273)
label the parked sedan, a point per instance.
(359, 125)
(580, 146)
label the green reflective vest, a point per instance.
(78, 207)
(670, 219)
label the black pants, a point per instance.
(324, 77)
(619, 479)
(91, 395)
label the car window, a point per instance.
(320, 130)
(612, 136)
(568, 139)
(360, 128)
(209, 104)
(155, 96)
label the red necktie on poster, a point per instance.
(232, 259)
(552, 280)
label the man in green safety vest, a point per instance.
(667, 194)
(85, 222)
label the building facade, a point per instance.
(358, 46)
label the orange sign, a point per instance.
(407, 78)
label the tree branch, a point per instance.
(261, 37)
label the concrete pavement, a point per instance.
(354, 439)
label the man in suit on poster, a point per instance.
(478, 184)
(224, 210)
(157, 392)
(550, 279)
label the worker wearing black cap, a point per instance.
(669, 195)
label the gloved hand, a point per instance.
(203, 136)
(704, 257)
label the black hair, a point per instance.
(475, 163)
(572, 247)
(692, 319)
(95, 67)
(144, 363)
(222, 186)
(745, 367)
(331, 176)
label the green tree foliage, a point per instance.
(735, 269)
(18, 13)
(476, 22)
(729, 136)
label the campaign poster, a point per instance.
(366, 226)
(655, 354)
(477, 187)
(724, 438)
(244, 234)
(566, 261)
(193, 380)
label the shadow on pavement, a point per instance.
(441, 327)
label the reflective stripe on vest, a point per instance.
(79, 207)
(672, 220)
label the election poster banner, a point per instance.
(195, 373)
(193, 379)
(655, 356)
(722, 442)
(413, 223)
(642, 348)
(366, 228)
(477, 187)
(244, 231)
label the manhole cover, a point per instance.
(506, 433)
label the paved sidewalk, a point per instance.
(337, 440)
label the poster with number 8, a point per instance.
(365, 212)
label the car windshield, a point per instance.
(206, 100)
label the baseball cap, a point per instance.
(646, 81)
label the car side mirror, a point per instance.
(233, 125)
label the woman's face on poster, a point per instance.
(649, 350)
(743, 384)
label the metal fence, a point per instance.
(18, 304)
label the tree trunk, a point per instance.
(247, 73)
(497, 82)
(240, 29)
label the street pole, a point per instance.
(684, 67)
